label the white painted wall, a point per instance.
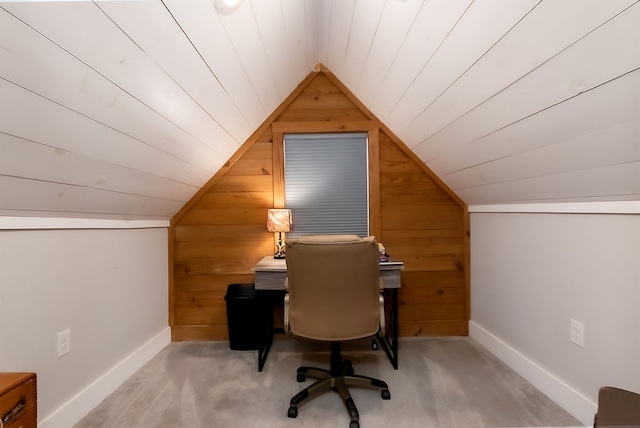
(532, 273)
(109, 287)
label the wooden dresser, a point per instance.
(18, 400)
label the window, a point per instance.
(326, 183)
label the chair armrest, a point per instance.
(286, 314)
(383, 327)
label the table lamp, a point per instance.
(279, 220)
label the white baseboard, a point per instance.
(563, 394)
(77, 407)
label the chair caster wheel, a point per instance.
(385, 394)
(354, 424)
(300, 377)
(293, 412)
(374, 345)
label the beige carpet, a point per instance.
(440, 382)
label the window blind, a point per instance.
(326, 183)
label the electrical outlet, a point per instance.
(64, 342)
(577, 333)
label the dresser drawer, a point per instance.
(18, 400)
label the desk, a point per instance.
(270, 275)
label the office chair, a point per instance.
(617, 408)
(334, 295)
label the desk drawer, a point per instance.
(275, 280)
(391, 278)
(270, 280)
(18, 400)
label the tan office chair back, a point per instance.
(334, 286)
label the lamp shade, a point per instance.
(279, 220)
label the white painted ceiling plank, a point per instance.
(32, 117)
(221, 123)
(38, 196)
(397, 19)
(603, 55)
(545, 32)
(323, 23)
(339, 27)
(297, 41)
(603, 107)
(367, 15)
(434, 21)
(163, 40)
(202, 25)
(26, 159)
(483, 24)
(30, 60)
(313, 18)
(612, 146)
(282, 56)
(618, 182)
(104, 47)
(242, 29)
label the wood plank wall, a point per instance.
(222, 233)
(424, 227)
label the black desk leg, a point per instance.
(263, 351)
(269, 299)
(389, 341)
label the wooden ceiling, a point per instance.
(124, 109)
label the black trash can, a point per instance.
(245, 317)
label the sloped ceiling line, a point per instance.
(603, 107)
(562, 16)
(169, 50)
(577, 86)
(236, 135)
(507, 47)
(40, 86)
(71, 168)
(418, 120)
(455, 54)
(518, 167)
(391, 31)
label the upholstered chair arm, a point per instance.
(383, 327)
(286, 314)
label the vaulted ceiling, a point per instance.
(124, 109)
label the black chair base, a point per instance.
(338, 378)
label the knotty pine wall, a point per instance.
(221, 233)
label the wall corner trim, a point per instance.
(26, 223)
(86, 400)
(601, 207)
(563, 394)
